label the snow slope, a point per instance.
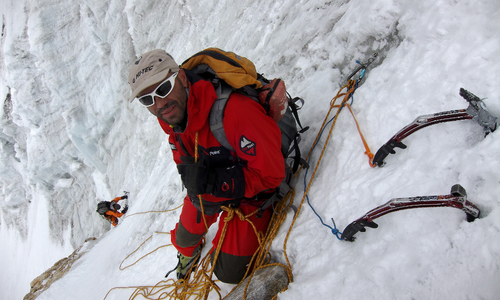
(69, 139)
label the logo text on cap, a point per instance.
(145, 70)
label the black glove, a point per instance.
(190, 171)
(124, 197)
(221, 181)
(125, 209)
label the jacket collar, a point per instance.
(201, 97)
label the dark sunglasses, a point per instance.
(161, 91)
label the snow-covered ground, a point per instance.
(70, 139)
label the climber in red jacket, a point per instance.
(213, 175)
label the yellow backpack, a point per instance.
(229, 72)
(235, 70)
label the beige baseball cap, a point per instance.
(149, 69)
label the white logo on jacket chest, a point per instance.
(247, 146)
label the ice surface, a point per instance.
(69, 139)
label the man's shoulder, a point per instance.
(241, 104)
(241, 110)
(194, 78)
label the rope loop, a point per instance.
(336, 232)
(231, 211)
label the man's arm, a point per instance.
(119, 198)
(257, 140)
(114, 213)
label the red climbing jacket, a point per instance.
(254, 135)
(256, 139)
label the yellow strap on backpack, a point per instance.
(235, 70)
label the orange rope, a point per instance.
(199, 196)
(367, 152)
(367, 148)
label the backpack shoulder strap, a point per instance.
(217, 115)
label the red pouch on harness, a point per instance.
(273, 97)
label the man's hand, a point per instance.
(192, 175)
(226, 182)
(125, 209)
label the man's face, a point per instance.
(172, 108)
